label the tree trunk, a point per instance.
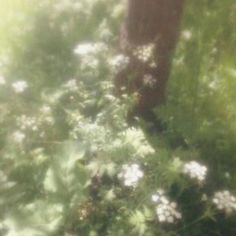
(156, 22)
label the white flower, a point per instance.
(149, 80)
(130, 175)
(195, 170)
(186, 35)
(155, 197)
(224, 201)
(18, 136)
(2, 80)
(158, 196)
(84, 49)
(45, 109)
(25, 122)
(71, 85)
(166, 211)
(145, 52)
(49, 120)
(20, 86)
(88, 54)
(89, 62)
(119, 62)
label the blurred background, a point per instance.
(70, 164)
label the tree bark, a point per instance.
(149, 21)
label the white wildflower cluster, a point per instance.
(71, 85)
(195, 170)
(88, 54)
(25, 122)
(186, 35)
(46, 115)
(130, 175)
(119, 62)
(225, 201)
(18, 137)
(46, 110)
(144, 53)
(2, 80)
(20, 86)
(84, 49)
(149, 80)
(35, 123)
(91, 63)
(166, 211)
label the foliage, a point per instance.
(64, 140)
